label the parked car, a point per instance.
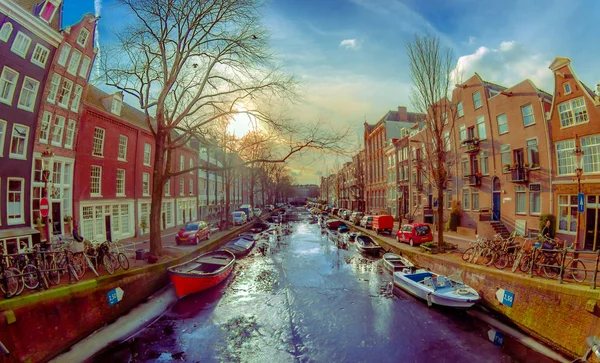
(239, 218)
(346, 215)
(414, 233)
(383, 224)
(356, 217)
(193, 232)
(247, 208)
(257, 212)
(366, 222)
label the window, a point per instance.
(6, 31)
(82, 38)
(40, 55)
(564, 157)
(567, 88)
(65, 93)
(591, 153)
(2, 136)
(74, 62)
(70, 134)
(54, 84)
(481, 133)
(28, 94)
(502, 124)
(147, 153)
(21, 45)
(459, 109)
(49, 9)
(85, 67)
(145, 184)
(448, 198)
(527, 113)
(64, 54)
(98, 147)
(483, 160)
(76, 98)
(8, 83)
(463, 132)
(466, 201)
(57, 132)
(96, 181)
(122, 148)
(181, 187)
(476, 100)
(572, 112)
(475, 200)
(45, 127)
(116, 105)
(533, 156)
(447, 141)
(15, 203)
(191, 166)
(493, 93)
(535, 199)
(181, 162)
(191, 187)
(168, 187)
(18, 141)
(520, 197)
(505, 157)
(567, 214)
(464, 164)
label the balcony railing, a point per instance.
(473, 180)
(518, 175)
(472, 145)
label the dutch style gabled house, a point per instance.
(28, 41)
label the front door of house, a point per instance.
(496, 199)
(56, 219)
(108, 229)
(592, 229)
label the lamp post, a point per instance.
(47, 163)
(578, 152)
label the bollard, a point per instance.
(562, 267)
(532, 262)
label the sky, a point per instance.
(349, 55)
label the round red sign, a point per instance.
(44, 207)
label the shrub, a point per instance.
(552, 219)
(454, 221)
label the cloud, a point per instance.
(471, 40)
(350, 44)
(508, 64)
(318, 173)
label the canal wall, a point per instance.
(40, 326)
(560, 315)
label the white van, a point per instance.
(248, 209)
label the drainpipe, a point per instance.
(549, 150)
(487, 105)
(136, 205)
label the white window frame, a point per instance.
(54, 87)
(120, 182)
(65, 93)
(98, 168)
(167, 188)
(4, 33)
(98, 140)
(504, 124)
(74, 62)
(475, 207)
(590, 146)
(466, 199)
(462, 132)
(191, 166)
(481, 130)
(21, 44)
(56, 4)
(76, 98)
(146, 184)
(116, 106)
(181, 162)
(484, 166)
(520, 192)
(569, 107)
(475, 100)
(45, 127)
(122, 147)
(25, 142)
(191, 182)
(460, 111)
(525, 116)
(181, 187)
(70, 135)
(565, 159)
(531, 204)
(64, 54)
(85, 40)
(529, 149)
(40, 51)
(30, 94)
(567, 88)
(58, 130)
(147, 154)
(84, 70)
(12, 221)
(3, 128)
(570, 205)
(9, 99)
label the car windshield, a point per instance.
(422, 230)
(191, 227)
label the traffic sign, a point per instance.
(44, 207)
(114, 296)
(580, 202)
(505, 297)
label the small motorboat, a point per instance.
(202, 272)
(436, 289)
(394, 262)
(366, 244)
(351, 237)
(239, 246)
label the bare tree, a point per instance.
(188, 63)
(431, 67)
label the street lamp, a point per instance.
(578, 152)
(47, 163)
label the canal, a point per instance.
(306, 298)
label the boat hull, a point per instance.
(367, 249)
(199, 274)
(443, 297)
(187, 285)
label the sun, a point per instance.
(241, 124)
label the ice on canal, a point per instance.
(307, 298)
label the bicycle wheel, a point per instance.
(17, 274)
(115, 261)
(53, 273)
(553, 270)
(80, 265)
(12, 285)
(30, 277)
(517, 261)
(468, 254)
(525, 264)
(577, 270)
(501, 260)
(487, 256)
(108, 264)
(123, 261)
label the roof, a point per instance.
(94, 97)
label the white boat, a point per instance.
(366, 244)
(394, 262)
(436, 289)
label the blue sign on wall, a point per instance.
(499, 339)
(112, 297)
(580, 202)
(508, 298)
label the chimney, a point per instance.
(598, 88)
(402, 114)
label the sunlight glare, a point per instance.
(241, 124)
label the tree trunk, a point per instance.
(156, 247)
(440, 218)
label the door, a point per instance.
(592, 226)
(518, 157)
(496, 199)
(108, 229)
(56, 219)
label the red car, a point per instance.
(414, 233)
(193, 232)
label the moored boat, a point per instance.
(202, 272)
(239, 246)
(394, 262)
(366, 244)
(436, 289)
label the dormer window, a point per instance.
(82, 39)
(567, 88)
(49, 9)
(116, 105)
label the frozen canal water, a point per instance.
(308, 300)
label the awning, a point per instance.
(17, 232)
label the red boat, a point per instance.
(202, 272)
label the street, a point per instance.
(306, 300)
